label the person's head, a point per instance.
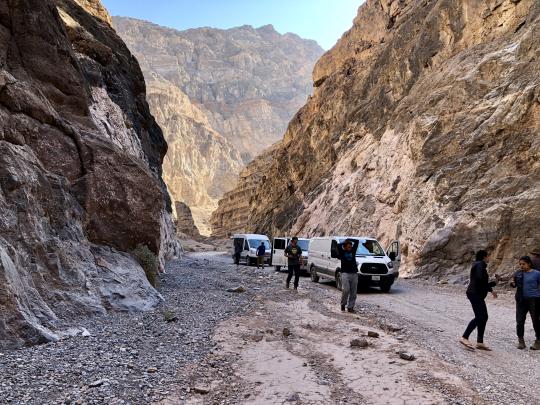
(525, 263)
(262, 243)
(482, 255)
(294, 241)
(347, 245)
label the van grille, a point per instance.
(373, 268)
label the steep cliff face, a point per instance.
(423, 127)
(80, 170)
(200, 165)
(221, 97)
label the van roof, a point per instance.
(289, 237)
(344, 237)
(249, 236)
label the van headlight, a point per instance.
(390, 265)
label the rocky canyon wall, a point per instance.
(423, 127)
(80, 171)
(221, 97)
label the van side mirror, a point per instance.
(392, 256)
(334, 253)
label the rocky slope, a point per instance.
(423, 127)
(221, 97)
(80, 171)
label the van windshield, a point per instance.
(255, 243)
(304, 245)
(368, 247)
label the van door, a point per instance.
(245, 252)
(278, 253)
(394, 253)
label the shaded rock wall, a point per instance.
(221, 97)
(184, 220)
(80, 171)
(423, 127)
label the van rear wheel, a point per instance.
(313, 274)
(278, 268)
(338, 281)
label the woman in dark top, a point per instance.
(477, 291)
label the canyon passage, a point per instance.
(130, 153)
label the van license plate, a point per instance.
(376, 278)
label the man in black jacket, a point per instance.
(294, 256)
(477, 291)
(349, 273)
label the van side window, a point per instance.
(246, 246)
(279, 244)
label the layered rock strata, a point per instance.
(221, 97)
(423, 127)
(80, 171)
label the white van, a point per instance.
(278, 252)
(375, 266)
(250, 242)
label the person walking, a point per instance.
(349, 273)
(479, 286)
(261, 251)
(294, 255)
(527, 283)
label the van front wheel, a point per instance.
(313, 274)
(278, 268)
(338, 281)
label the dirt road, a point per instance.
(315, 363)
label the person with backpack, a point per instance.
(261, 251)
(349, 273)
(527, 283)
(477, 291)
(294, 255)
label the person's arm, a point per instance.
(513, 283)
(355, 245)
(340, 250)
(286, 253)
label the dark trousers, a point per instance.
(532, 307)
(237, 258)
(293, 268)
(480, 317)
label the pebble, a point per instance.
(359, 342)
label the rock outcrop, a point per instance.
(80, 171)
(221, 97)
(423, 127)
(184, 220)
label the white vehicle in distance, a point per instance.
(278, 252)
(250, 242)
(375, 267)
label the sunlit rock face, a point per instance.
(221, 97)
(80, 171)
(423, 127)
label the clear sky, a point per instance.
(322, 20)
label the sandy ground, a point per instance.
(315, 364)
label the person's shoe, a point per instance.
(343, 308)
(521, 344)
(351, 310)
(287, 286)
(295, 289)
(481, 346)
(536, 345)
(466, 343)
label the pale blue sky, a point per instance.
(322, 20)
